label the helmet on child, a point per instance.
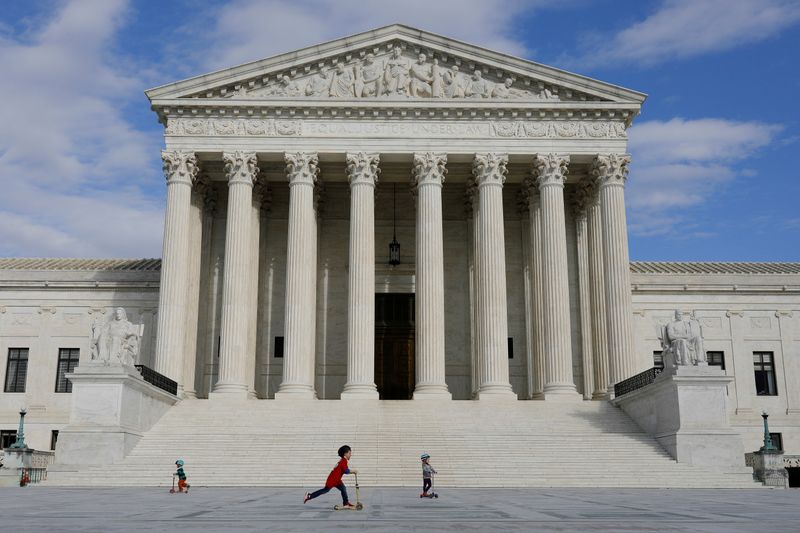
(424, 456)
(179, 462)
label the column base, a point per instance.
(360, 392)
(432, 392)
(496, 392)
(600, 395)
(189, 395)
(536, 396)
(562, 392)
(296, 391)
(229, 391)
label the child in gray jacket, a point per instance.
(427, 474)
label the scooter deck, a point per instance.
(359, 506)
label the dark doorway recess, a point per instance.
(394, 345)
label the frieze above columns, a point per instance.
(444, 127)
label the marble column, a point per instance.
(527, 275)
(551, 171)
(429, 171)
(362, 173)
(471, 198)
(597, 294)
(208, 295)
(580, 204)
(193, 286)
(537, 299)
(259, 191)
(490, 171)
(610, 172)
(241, 169)
(302, 169)
(180, 169)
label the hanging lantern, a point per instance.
(394, 246)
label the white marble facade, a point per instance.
(509, 180)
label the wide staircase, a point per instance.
(472, 444)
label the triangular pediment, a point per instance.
(395, 62)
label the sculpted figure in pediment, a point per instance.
(421, 80)
(478, 87)
(453, 85)
(437, 83)
(287, 87)
(342, 82)
(319, 85)
(505, 90)
(395, 76)
(368, 77)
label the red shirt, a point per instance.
(335, 477)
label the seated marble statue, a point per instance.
(116, 341)
(682, 343)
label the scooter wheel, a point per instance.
(172, 491)
(359, 506)
(435, 495)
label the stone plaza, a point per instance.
(410, 244)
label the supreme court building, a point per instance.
(396, 215)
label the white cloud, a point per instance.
(678, 164)
(686, 28)
(72, 168)
(246, 30)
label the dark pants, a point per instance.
(325, 490)
(426, 484)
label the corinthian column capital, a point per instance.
(302, 167)
(490, 168)
(610, 169)
(550, 169)
(429, 168)
(362, 168)
(583, 197)
(240, 167)
(179, 166)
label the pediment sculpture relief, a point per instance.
(394, 76)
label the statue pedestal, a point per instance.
(686, 411)
(112, 406)
(769, 469)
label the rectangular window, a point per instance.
(67, 361)
(511, 347)
(777, 440)
(716, 359)
(16, 369)
(53, 439)
(7, 438)
(764, 366)
(278, 347)
(658, 359)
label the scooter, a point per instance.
(172, 490)
(359, 506)
(430, 494)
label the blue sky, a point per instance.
(715, 152)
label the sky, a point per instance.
(715, 151)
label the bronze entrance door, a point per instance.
(394, 345)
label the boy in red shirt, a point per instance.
(335, 478)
